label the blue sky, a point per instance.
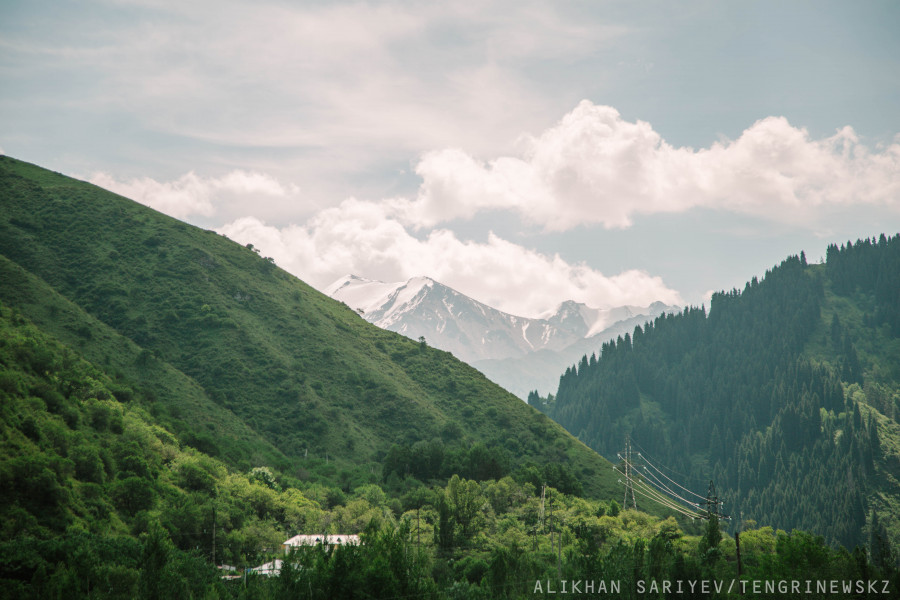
(524, 153)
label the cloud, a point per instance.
(349, 85)
(192, 195)
(593, 167)
(363, 238)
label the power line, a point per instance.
(674, 507)
(652, 494)
(684, 477)
(653, 488)
(655, 482)
(652, 466)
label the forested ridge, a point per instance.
(785, 394)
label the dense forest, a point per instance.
(99, 501)
(785, 394)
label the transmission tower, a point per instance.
(713, 504)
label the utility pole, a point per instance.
(559, 553)
(541, 515)
(558, 542)
(737, 545)
(215, 498)
(551, 524)
(418, 540)
(628, 485)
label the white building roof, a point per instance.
(338, 539)
(270, 568)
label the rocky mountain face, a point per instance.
(519, 353)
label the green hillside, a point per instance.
(247, 363)
(99, 501)
(786, 394)
(138, 376)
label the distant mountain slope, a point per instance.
(519, 353)
(786, 394)
(540, 371)
(301, 374)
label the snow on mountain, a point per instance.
(446, 318)
(359, 293)
(540, 370)
(516, 352)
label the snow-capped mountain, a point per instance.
(519, 353)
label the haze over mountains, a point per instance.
(519, 353)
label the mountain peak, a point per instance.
(473, 331)
(420, 281)
(347, 280)
(571, 308)
(569, 305)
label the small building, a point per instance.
(228, 572)
(269, 569)
(338, 539)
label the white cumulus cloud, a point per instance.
(593, 167)
(362, 237)
(192, 195)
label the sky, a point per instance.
(523, 153)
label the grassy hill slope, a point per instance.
(138, 377)
(216, 337)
